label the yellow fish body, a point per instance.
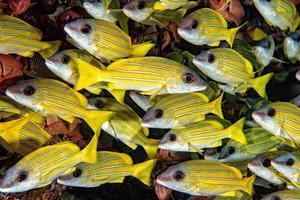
(51, 97)
(206, 26)
(283, 194)
(174, 4)
(19, 37)
(104, 39)
(111, 167)
(227, 66)
(239, 196)
(205, 178)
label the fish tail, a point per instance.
(89, 153)
(295, 24)
(143, 171)
(151, 148)
(217, 104)
(249, 184)
(259, 84)
(96, 118)
(236, 131)
(118, 94)
(88, 74)
(48, 52)
(94, 90)
(232, 33)
(140, 50)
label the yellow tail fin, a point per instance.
(89, 153)
(118, 94)
(96, 118)
(236, 133)
(151, 148)
(140, 50)
(217, 104)
(48, 52)
(249, 184)
(231, 35)
(259, 84)
(142, 171)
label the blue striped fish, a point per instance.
(205, 178)
(291, 47)
(19, 37)
(279, 13)
(104, 39)
(42, 166)
(281, 119)
(51, 97)
(176, 110)
(284, 195)
(206, 26)
(125, 125)
(258, 141)
(203, 134)
(111, 167)
(151, 75)
(227, 66)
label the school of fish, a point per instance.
(234, 158)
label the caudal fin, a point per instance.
(236, 133)
(217, 104)
(142, 171)
(118, 94)
(231, 35)
(140, 50)
(249, 184)
(259, 84)
(89, 153)
(151, 148)
(48, 52)
(96, 118)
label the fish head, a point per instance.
(264, 50)
(188, 29)
(25, 92)
(265, 117)
(231, 152)
(63, 65)
(81, 31)
(212, 153)
(172, 141)
(106, 104)
(271, 197)
(291, 45)
(74, 179)
(261, 165)
(287, 164)
(96, 8)
(298, 75)
(138, 10)
(207, 62)
(155, 117)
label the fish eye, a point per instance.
(99, 104)
(86, 29)
(77, 172)
(290, 162)
(271, 112)
(178, 176)
(21, 177)
(28, 91)
(211, 58)
(194, 24)
(275, 198)
(267, 163)
(65, 59)
(158, 113)
(188, 78)
(141, 5)
(231, 150)
(172, 137)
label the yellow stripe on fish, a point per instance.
(111, 167)
(203, 134)
(51, 97)
(177, 110)
(284, 195)
(240, 195)
(205, 178)
(19, 37)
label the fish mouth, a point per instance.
(146, 123)
(257, 115)
(10, 93)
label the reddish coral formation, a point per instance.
(17, 7)
(296, 1)
(162, 192)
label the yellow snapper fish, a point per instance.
(288, 165)
(8, 109)
(206, 26)
(258, 141)
(44, 165)
(291, 46)
(240, 195)
(174, 4)
(52, 97)
(151, 75)
(125, 125)
(111, 167)
(283, 195)
(177, 110)
(279, 13)
(199, 135)
(205, 178)
(143, 11)
(227, 66)
(104, 39)
(281, 119)
(19, 37)
(262, 167)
